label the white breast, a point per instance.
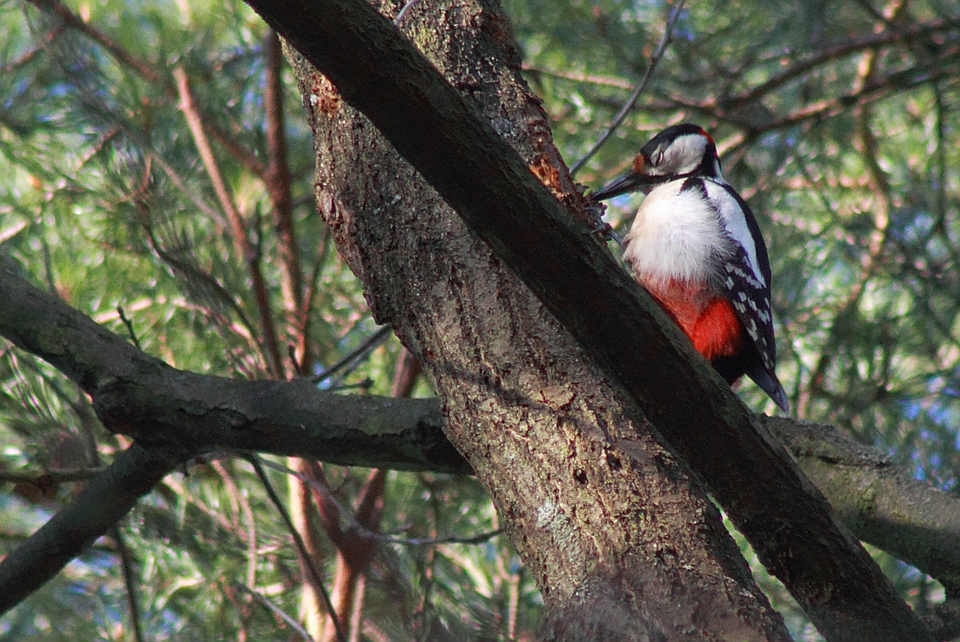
(675, 235)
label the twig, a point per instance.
(432, 541)
(194, 274)
(318, 579)
(940, 156)
(403, 11)
(628, 106)
(367, 346)
(219, 222)
(129, 325)
(130, 582)
(246, 251)
(276, 610)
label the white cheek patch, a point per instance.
(675, 235)
(683, 155)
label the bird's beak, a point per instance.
(632, 181)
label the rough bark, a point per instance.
(623, 543)
(786, 520)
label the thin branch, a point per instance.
(940, 158)
(895, 82)
(129, 582)
(129, 326)
(301, 547)
(403, 12)
(359, 353)
(94, 511)
(143, 69)
(480, 538)
(829, 54)
(216, 216)
(675, 10)
(276, 610)
(310, 481)
(278, 182)
(244, 248)
(195, 275)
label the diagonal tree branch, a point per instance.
(480, 176)
(96, 509)
(832, 53)
(882, 503)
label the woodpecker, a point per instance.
(696, 247)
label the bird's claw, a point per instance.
(595, 209)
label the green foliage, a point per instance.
(847, 153)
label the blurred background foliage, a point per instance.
(837, 121)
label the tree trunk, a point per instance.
(623, 542)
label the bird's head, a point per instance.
(677, 152)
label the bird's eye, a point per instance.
(658, 157)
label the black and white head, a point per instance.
(676, 153)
